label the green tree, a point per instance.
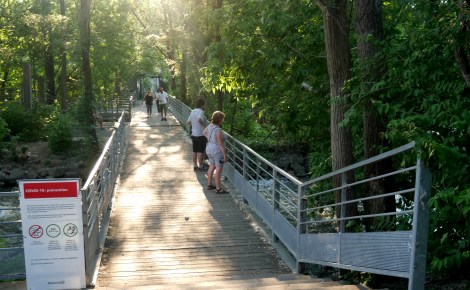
(48, 38)
(335, 25)
(63, 58)
(86, 110)
(426, 100)
(369, 37)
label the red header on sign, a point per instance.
(50, 189)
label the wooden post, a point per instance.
(27, 88)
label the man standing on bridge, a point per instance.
(197, 122)
(162, 98)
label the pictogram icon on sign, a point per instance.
(70, 230)
(53, 231)
(36, 231)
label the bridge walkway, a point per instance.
(167, 229)
(168, 232)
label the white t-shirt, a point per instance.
(162, 97)
(196, 128)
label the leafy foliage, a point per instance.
(4, 130)
(432, 111)
(450, 241)
(27, 125)
(271, 66)
(60, 132)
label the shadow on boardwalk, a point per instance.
(166, 229)
(168, 232)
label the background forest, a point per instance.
(340, 80)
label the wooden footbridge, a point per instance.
(165, 230)
(168, 231)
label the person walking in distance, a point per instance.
(197, 121)
(148, 99)
(157, 103)
(215, 151)
(162, 97)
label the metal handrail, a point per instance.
(13, 238)
(374, 159)
(288, 207)
(97, 194)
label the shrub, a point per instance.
(15, 116)
(4, 130)
(60, 133)
(28, 125)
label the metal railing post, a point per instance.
(301, 225)
(258, 171)
(244, 171)
(275, 193)
(420, 227)
(86, 241)
(276, 199)
(342, 223)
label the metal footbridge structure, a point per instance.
(149, 220)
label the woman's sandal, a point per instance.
(221, 190)
(210, 187)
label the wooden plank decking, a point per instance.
(168, 232)
(166, 228)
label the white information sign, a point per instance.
(51, 212)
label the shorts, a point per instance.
(199, 143)
(216, 158)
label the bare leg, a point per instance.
(200, 157)
(210, 172)
(218, 174)
(195, 159)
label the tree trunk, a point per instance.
(85, 47)
(3, 83)
(63, 71)
(462, 55)
(117, 88)
(41, 90)
(369, 31)
(339, 65)
(86, 106)
(220, 100)
(48, 55)
(170, 49)
(50, 76)
(217, 39)
(233, 114)
(184, 67)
